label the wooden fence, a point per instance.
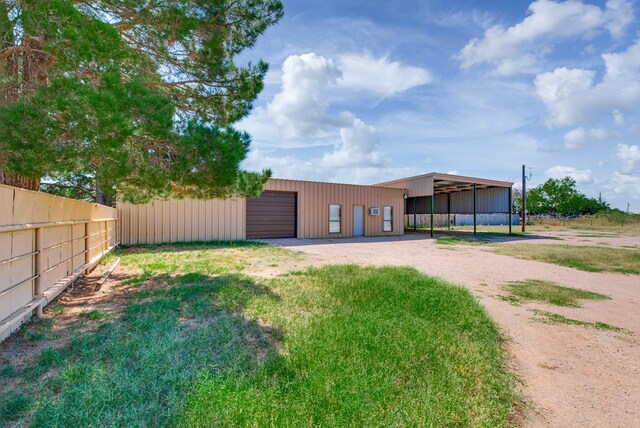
(46, 242)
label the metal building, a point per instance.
(308, 209)
(447, 194)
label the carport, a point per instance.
(447, 194)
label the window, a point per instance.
(334, 218)
(387, 220)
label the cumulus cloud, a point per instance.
(359, 146)
(379, 75)
(581, 137)
(572, 95)
(517, 48)
(629, 155)
(299, 109)
(581, 176)
(624, 184)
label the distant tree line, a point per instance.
(560, 197)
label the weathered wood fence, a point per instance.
(46, 242)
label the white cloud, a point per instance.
(618, 118)
(630, 155)
(581, 176)
(624, 184)
(381, 76)
(299, 108)
(299, 111)
(359, 146)
(581, 137)
(572, 95)
(517, 48)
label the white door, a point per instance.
(358, 220)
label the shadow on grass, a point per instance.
(136, 368)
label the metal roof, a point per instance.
(446, 183)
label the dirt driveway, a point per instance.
(572, 375)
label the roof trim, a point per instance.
(450, 177)
(338, 184)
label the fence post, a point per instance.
(72, 253)
(37, 271)
(87, 253)
(105, 242)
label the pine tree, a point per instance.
(136, 97)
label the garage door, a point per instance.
(272, 215)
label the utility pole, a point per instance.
(524, 198)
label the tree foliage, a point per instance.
(560, 196)
(136, 96)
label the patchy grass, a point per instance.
(12, 406)
(455, 240)
(385, 347)
(96, 315)
(549, 292)
(551, 318)
(336, 346)
(208, 258)
(601, 227)
(587, 258)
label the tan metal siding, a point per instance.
(182, 220)
(314, 199)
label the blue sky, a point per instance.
(368, 91)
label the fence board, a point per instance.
(31, 276)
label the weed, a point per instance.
(587, 258)
(551, 318)
(549, 292)
(13, 405)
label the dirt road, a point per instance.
(573, 375)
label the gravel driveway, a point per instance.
(572, 375)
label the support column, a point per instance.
(524, 199)
(433, 197)
(449, 211)
(415, 226)
(510, 208)
(475, 204)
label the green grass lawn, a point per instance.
(199, 343)
(587, 258)
(549, 292)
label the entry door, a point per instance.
(358, 220)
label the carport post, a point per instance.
(449, 210)
(415, 224)
(433, 197)
(510, 208)
(475, 202)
